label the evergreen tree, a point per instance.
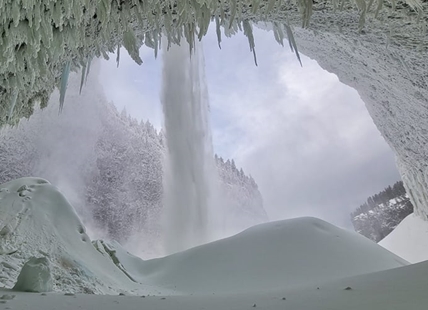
(382, 212)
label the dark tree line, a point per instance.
(383, 197)
(382, 212)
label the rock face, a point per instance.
(380, 54)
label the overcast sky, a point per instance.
(306, 138)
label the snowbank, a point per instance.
(37, 221)
(409, 239)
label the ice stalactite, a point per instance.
(42, 38)
(189, 163)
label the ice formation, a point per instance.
(377, 47)
(37, 221)
(35, 276)
(42, 41)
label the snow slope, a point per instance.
(409, 239)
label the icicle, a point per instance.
(13, 103)
(255, 6)
(248, 32)
(64, 81)
(369, 5)
(148, 40)
(130, 44)
(379, 7)
(16, 12)
(82, 78)
(278, 34)
(204, 22)
(118, 55)
(168, 26)
(306, 7)
(88, 66)
(362, 7)
(105, 55)
(222, 16)
(232, 14)
(269, 7)
(157, 41)
(218, 31)
(239, 10)
(189, 33)
(292, 42)
(57, 15)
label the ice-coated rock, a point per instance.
(35, 276)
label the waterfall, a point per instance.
(189, 165)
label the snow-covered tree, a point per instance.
(382, 212)
(109, 166)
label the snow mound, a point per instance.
(270, 256)
(409, 239)
(37, 221)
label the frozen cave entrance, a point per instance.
(377, 52)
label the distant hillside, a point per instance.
(382, 212)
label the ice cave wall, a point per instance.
(387, 64)
(380, 54)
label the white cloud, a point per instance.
(305, 137)
(134, 87)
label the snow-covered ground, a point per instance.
(409, 239)
(307, 261)
(396, 289)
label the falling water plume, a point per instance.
(189, 160)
